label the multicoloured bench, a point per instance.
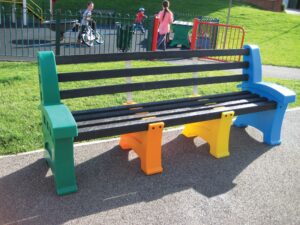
(140, 125)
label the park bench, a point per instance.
(258, 104)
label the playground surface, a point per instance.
(257, 184)
(24, 43)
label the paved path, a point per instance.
(257, 184)
(293, 11)
(268, 71)
(281, 72)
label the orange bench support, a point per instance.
(215, 132)
(147, 145)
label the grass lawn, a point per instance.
(20, 118)
(277, 34)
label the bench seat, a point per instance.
(136, 117)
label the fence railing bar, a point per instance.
(10, 33)
(5, 30)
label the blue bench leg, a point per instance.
(268, 122)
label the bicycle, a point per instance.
(88, 36)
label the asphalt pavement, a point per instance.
(24, 43)
(267, 70)
(257, 184)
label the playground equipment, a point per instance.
(204, 35)
(181, 30)
(259, 104)
(211, 35)
(29, 5)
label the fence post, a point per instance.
(0, 14)
(51, 7)
(13, 13)
(150, 33)
(129, 81)
(193, 47)
(57, 30)
(195, 76)
(24, 6)
(155, 33)
(194, 34)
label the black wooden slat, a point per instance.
(160, 107)
(143, 86)
(170, 120)
(158, 103)
(168, 112)
(111, 57)
(104, 74)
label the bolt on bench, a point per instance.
(258, 104)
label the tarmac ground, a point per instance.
(256, 184)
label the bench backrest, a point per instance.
(47, 67)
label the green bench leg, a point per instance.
(60, 157)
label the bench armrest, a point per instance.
(271, 91)
(60, 121)
(255, 84)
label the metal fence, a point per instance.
(58, 32)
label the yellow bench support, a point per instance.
(215, 132)
(147, 145)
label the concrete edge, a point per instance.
(104, 140)
(82, 144)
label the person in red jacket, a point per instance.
(139, 20)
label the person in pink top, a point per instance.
(165, 19)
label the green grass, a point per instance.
(20, 119)
(277, 34)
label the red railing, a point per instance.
(211, 35)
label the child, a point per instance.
(87, 20)
(139, 20)
(165, 18)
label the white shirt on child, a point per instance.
(87, 14)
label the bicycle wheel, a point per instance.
(99, 38)
(87, 40)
